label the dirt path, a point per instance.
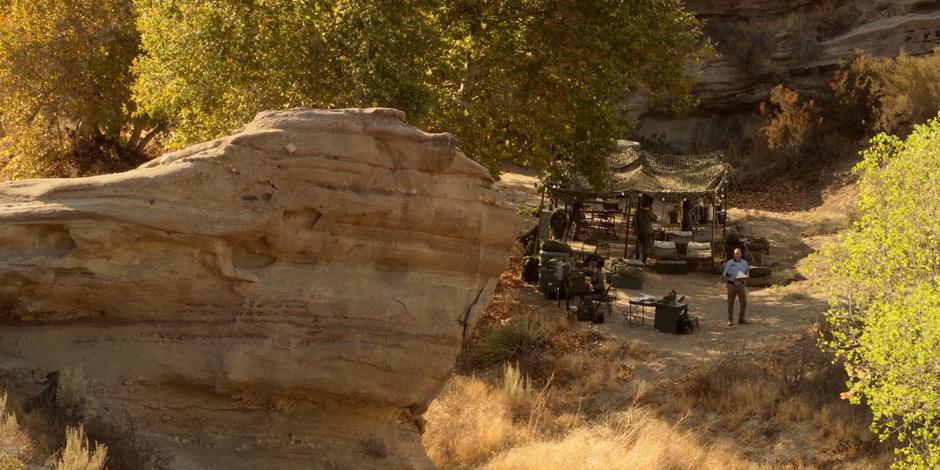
(775, 314)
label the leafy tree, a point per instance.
(529, 81)
(210, 66)
(65, 85)
(885, 307)
(540, 81)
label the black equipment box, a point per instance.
(668, 318)
(672, 267)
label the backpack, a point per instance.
(584, 312)
(530, 270)
(598, 315)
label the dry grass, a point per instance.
(790, 292)
(795, 409)
(633, 439)
(637, 349)
(844, 427)
(472, 420)
(15, 445)
(571, 401)
(736, 390)
(79, 454)
(755, 397)
(795, 296)
(510, 425)
(785, 276)
(826, 223)
(73, 387)
(826, 19)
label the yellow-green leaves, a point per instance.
(528, 81)
(64, 77)
(885, 304)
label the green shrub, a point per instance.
(884, 314)
(503, 342)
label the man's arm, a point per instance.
(747, 269)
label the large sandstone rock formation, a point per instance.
(292, 296)
(799, 43)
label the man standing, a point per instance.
(644, 228)
(734, 269)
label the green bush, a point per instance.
(503, 342)
(885, 304)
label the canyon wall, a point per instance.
(799, 43)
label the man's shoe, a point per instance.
(743, 321)
(730, 323)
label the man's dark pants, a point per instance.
(736, 290)
(645, 244)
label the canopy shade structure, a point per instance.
(662, 176)
(691, 187)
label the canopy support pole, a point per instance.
(538, 226)
(714, 227)
(626, 223)
(724, 227)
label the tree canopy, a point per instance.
(885, 312)
(527, 81)
(64, 79)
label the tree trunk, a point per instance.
(136, 132)
(150, 136)
(471, 71)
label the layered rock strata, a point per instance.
(799, 43)
(291, 296)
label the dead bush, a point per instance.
(79, 454)
(15, 445)
(73, 387)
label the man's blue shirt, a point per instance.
(732, 268)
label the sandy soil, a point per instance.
(775, 314)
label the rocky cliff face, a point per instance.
(292, 296)
(796, 42)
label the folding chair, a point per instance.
(609, 299)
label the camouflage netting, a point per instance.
(637, 171)
(677, 175)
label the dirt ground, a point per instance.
(777, 314)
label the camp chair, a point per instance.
(607, 302)
(572, 286)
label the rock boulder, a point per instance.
(291, 296)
